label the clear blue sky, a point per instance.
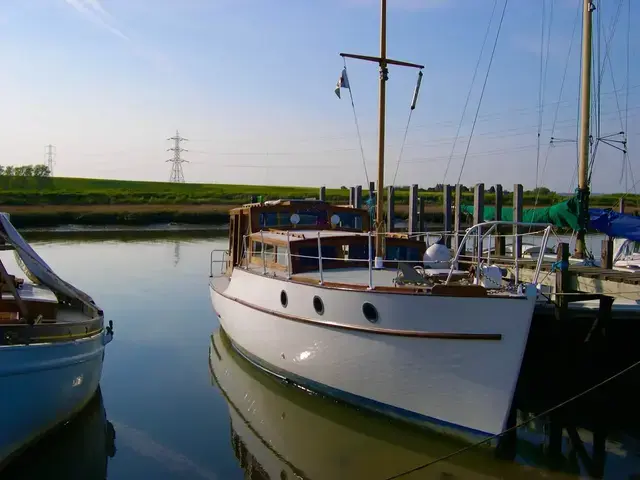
(250, 84)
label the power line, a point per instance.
(50, 153)
(177, 175)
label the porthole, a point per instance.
(370, 312)
(284, 300)
(318, 305)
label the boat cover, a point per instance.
(35, 267)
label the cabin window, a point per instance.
(350, 220)
(401, 253)
(269, 253)
(357, 252)
(309, 255)
(275, 219)
(313, 217)
(256, 249)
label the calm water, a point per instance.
(176, 414)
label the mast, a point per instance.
(583, 140)
(383, 62)
(381, 128)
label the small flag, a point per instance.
(343, 82)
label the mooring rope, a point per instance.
(521, 424)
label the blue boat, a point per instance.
(52, 343)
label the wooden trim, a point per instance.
(23, 334)
(400, 290)
(358, 328)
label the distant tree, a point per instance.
(492, 189)
(8, 170)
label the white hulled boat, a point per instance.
(309, 293)
(52, 341)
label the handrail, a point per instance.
(479, 226)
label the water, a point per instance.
(173, 421)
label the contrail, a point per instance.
(93, 10)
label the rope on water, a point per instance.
(515, 427)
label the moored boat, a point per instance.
(305, 301)
(52, 342)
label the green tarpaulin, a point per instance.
(563, 214)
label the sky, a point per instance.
(250, 84)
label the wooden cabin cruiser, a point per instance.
(301, 295)
(52, 341)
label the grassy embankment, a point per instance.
(54, 201)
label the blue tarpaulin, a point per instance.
(615, 224)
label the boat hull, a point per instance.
(43, 385)
(450, 362)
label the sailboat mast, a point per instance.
(583, 140)
(381, 130)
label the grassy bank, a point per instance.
(42, 201)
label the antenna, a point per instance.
(177, 176)
(50, 153)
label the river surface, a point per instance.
(176, 414)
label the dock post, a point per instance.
(413, 209)
(372, 189)
(323, 194)
(358, 196)
(446, 205)
(390, 207)
(562, 280)
(621, 205)
(352, 196)
(478, 215)
(457, 213)
(518, 193)
(421, 218)
(500, 240)
(606, 255)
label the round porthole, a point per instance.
(370, 312)
(318, 305)
(284, 300)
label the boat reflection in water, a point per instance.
(280, 431)
(78, 450)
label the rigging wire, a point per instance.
(473, 126)
(355, 118)
(521, 424)
(564, 77)
(414, 101)
(626, 120)
(544, 61)
(473, 80)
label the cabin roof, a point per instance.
(301, 235)
(297, 203)
(276, 236)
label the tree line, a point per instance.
(39, 170)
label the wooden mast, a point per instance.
(384, 75)
(583, 140)
(383, 62)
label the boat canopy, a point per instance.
(565, 215)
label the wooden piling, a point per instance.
(457, 214)
(478, 213)
(621, 205)
(500, 240)
(323, 194)
(562, 280)
(518, 194)
(413, 209)
(606, 255)
(358, 196)
(446, 204)
(372, 189)
(390, 208)
(421, 219)
(352, 196)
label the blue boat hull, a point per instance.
(44, 385)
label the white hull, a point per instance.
(271, 421)
(43, 385)
(457, 370)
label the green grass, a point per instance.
(88, 191)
